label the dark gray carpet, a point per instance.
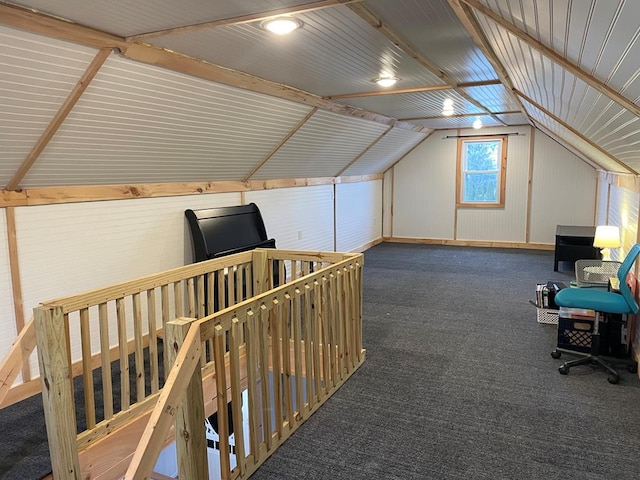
(459, 382)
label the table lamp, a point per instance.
(607, 237)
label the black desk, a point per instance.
(574, 243)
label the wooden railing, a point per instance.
(114, 332)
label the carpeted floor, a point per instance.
(458, 384)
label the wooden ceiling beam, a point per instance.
(564, 143)
(574, 131)
(255, 17)
(361, 154)
(429, 88)
(555, 57)
(459, 115)
(59, 117)
(53, 27)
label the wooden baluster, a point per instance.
(265, 382)
(139, 348)
(166, 317)
(87, 370)
(284, 317)
(253, 356)
(105, 361)
(236, 395)
(221, 389)
(308, 362)
(274, 329)
(154, 372)
(192, 309)
(316, 320)
(296, 319)
(125, 394)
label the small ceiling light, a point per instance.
(281, 25)
(477, 124)
(447, 107)
(386, 80)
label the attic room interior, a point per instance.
(397, 249)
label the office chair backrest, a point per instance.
(622, 277)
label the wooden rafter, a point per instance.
(555, 57)
(145, 53)
(404, 45)
(358, 157)
(564, 143)
(254, 17)
(279, 145)
(428, 88)
(59, 117)
(574, 131)
(459, 115)
(469, 22)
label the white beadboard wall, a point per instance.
(602, 201)
(358, 215)
(298, 218)
(387, 184)
(563, 190)
(425, 181)
(424, 190)
(623, 212)
(8, 330)
(506, 224)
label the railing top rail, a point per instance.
(313, 256)
(119, 290)
(240, 310)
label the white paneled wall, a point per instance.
(358, 215)
(70, 248)
(298, 218)
(623, 212)
(424, 190)
(563, 190)
(7, 322)
(387, 195)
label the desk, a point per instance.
(574, 243)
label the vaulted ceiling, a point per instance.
(144, 91)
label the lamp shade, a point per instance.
(607, 236)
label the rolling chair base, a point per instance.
(614, 376)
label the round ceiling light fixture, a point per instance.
(281, 25)
(447, 107)
(477, 124)
(386, 80)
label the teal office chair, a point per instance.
(603, 301)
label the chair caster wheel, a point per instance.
(613, 379)
(632, 368)
(556, 354)
(563, 370)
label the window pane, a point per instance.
(480, 187)
(482, 156)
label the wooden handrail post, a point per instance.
(260, 271)
(191, 446)
(57, 391)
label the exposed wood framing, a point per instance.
(94, 193)
(255, 17)
(471, 243)
(15, 358)
(410, 150)
(145, 53)
(430, 88)
(469, 22)
(16, 283)
(59, 117)
(358, 157)
(563, 142)
(459, 115)
(573, 130)
(279, 145)
(559, 59)
(527, 221)
(402, 43)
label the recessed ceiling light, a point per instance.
(386, 81)
(447, 107)
(477, 124)
(281, 25)
(447, 111)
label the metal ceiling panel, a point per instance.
(386, 152)
(445, 123)
(132, 17)
(37, 74)
(322, 147)
(335, 52)
(581, 146)
(142, 124)
(495, 97)
(600, 36)
(412, 105)
(434, 30)
(567, 97)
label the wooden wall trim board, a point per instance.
(94, 193)
(470, 243)
(527, 221)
